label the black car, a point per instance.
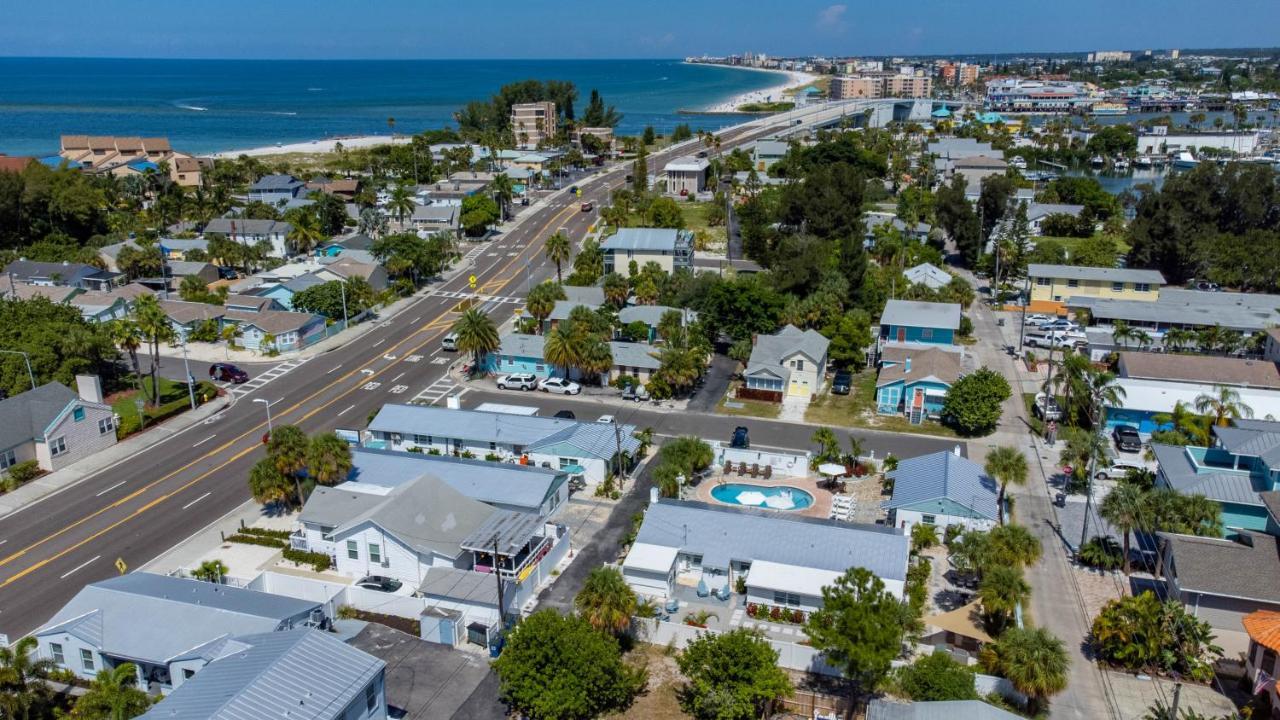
(379, 583)
(842, 382)
(1127, 439)
(226, 372)
(227, 273)
(566, 415)
(740, 438)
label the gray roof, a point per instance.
(69, 273)
(1102, 274)
(914, 313)
(303, 281)
(646, 239)
(425, 514)
(940, 710)
(1037, 210)
(1212, 566)
(489, 482)
(770, 147)
(630, 354)
(1236, 311)
(184, 244)
(521, 345)
(442, 214)
(944, 475)
(563, 308)
(651, 314)
(301, 674)
(768, 371)
(530, 431)
(25, 416)
(722, 534)
(584, 295)
(600, 440)
(962, 148)
(247, 226)
(928, 274)
(277, 182)
(181, 614)
(180, 268)
(508, 529)
(1178, 470)
(464, 585)
(773, 349)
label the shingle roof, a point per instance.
(912, 313)
(301, 674)
(68, 272)
(1212, 566)
(276, 182)
(944, 475)
(247, 226)
(721, 534)
(925, 363)
(645, 239)
(1100, 274)
(630, 354)
(180, 614)
(1200, 368)
(489, 482)
(939, 710)
(25, 416)
(773, 349)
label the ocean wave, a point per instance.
(279, 112)
(194, 108)
(314, 89)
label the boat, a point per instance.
(1097, 161)
(1110, 108)
(1185, 160)
(1121, 164)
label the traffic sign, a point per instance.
(472, 281)
(121, 566)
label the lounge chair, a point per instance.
(673, 605)
(755, 469)
(768, 471)
(742, 468)
(702, 588)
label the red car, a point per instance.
(226, 372)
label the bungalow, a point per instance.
(585, 449)
(1060, 282)
(784, 561)
(278, 329)
(104, 306)
(1241, 465)
(1221, 581)
(651, 316)
(910, 321)
(256, 676)
(63, 274)
(671, 249)
(187, 623)
(591, 295)
(55, 426)
(519, 353)
(686, 175)
(178, 269)
(561, 312)
(249, 231)
(1262, 661)
(874, 220)
(275, 189)
(635, 360)
(914, 381)
(436, 218)
(791, 363)
(928, 275)
(1037, 213)
(764, 153)
(942, 489)
(177, 248)
(347, 267)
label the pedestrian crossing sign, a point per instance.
(121, 566)
(472, 281)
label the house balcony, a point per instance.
(298, 541)
(518, 567)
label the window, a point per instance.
(785, 598)
(1268, 660)
(928, 519)
(1073, 283)
(799, 364)
(8, 459)
(78, 413)
(353, 550)
(370, 697)
(57, 446)
(375, 553)
(1117, 287)
(493, 445)
(422, 439)
(1042, 281)
(55, 649)
(566, 462)
(106, 425)
(1142, 287)
(926, 333)
(86, 659)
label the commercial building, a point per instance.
(1057, 283)
(107, 154)
(533, 123)
(1102, 56)
(1037, 96)
(1245, 313)
(671, 249)
(1161, 142)
(54, 426)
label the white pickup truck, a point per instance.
(1056, 339)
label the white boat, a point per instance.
(1185, 160)
(1121, 164)
(1097, 161)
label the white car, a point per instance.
(518, 381)
(1037, 320)
(1117, 470)
(561, 386)
(606, 419)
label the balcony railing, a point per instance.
(298, 541)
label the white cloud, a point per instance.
(831, 18)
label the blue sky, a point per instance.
(608, 28)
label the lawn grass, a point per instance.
(696, 220)
(858, 409)
(173, 400)
(750, 408)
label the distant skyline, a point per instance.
(404, 29)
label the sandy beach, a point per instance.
(316, 146)
(794, 79)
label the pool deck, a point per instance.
(821, 507)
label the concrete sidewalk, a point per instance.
(54, 482)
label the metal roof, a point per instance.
(929, 274)
(912, 313)
(944, 475)
(938, 710)
(652, 314)
(773, 349)
(563, 308)
(520, 345)
(489, 482)
(1100, 274)
(507, 529)
(584, 295)
(461, 585)
(1181, 475)
(277, 182)
(645, 239)
(247, 226)
(630, 354)
(180, 614)
(749, 535)
(1235, 311)
(25, 416)
(301, 674)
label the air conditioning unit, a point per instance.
(386, 563)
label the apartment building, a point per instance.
(881, 85)
(533, 123)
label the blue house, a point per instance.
(519, 353)
(914, 381)
(910, 321)
(1242, 464)
(274, 189)
(942, 489)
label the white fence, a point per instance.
(783, 463)
(790, 655)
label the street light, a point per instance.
(267, 405)
(30, 375)
(191, 381)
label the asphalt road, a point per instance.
(138, 508)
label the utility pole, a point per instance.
(497, 572)
(27, 358)
(191, 389)
(1026, 300)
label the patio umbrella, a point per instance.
(780, 502)
(831, 469)
(751, 497)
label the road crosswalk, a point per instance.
(267, 376)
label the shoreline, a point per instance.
(326, 145)
(773, 93)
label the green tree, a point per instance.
(1223, 404)
(665, 213)
(327, 299)
(1126, 508)
(24, 692)
(557, 667)
(731, 676)
(563, 348)
(268, 485)
(606, 601)
(923, 536)
(478, 213)
(1034, 661)
(599, 115)
(1142, 633)
(328, 459)
(542, 300)
(973, 404)
(504, 192)
(127, 336)
(287, 449)
(937, 678)
(476, 334)
(616, 289)
(1002, 591)
(401, 203)
(210, 571)
(557, 251)
(828, 445)
(1007, 465)
(860, 627)
(306, 231)
(113, 695)
(155, 328)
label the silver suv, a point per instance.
(518, 381)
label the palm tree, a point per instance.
(616, 289)
(503, 192)
(114, 695)
(1121, 333)
(210, 571)
(127, 336)
(1035, 661)
(328, 459)
(401, 203)
(1002, 591)
(230, 333)
(1073, 369)
(596, 358)
(476, 334)
(1104, 392)
(1224, 405)
(606, 601)
(1179, 338)
(1125, 507)
(267, 484)
(1012, 545)
(828, 445)
(153, 323)
(306, 232)
(562, 348)
(1184, 421)
(287, 448)
(1007, 465)
(542, 301)
(22, 677)
(557, 251)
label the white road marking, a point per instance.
(413, 358)
(78, 568)
(397, 377)
(346, 409)
(371, 385)
(193, 502)
(4, 541)
(399, 389)
(335, 368)
(205, 440)
(439, 360)
(379, 342)
(113, 487)
(416, 319)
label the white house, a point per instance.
(929, 275)
(687, 175)
(670, 249)
(942, 489)
(791, 363)
(249, 231)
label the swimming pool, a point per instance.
(778, 497)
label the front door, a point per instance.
(902, 334)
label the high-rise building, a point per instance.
(968, 74)
(880, 85)
(532, 123)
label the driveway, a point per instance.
(715, 385)
(428, 680)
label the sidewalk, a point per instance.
(125, 450)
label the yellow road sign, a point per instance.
(471, 281)
(121, 566)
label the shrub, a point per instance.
(24, 472)
(797, 616)
(266, 532)
(775, 613)
(492, 457)
(935, 678)
(1101, 552)
(318, 561)
(753, 609)
(740, 585)
(1141, 633)
(257, 540)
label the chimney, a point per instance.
(89, 388)
(906, 366)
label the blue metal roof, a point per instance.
(944, 475)
(488, 482)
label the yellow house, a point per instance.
(1058, 283)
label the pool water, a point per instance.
(773, 498)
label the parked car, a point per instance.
(740, 439)
(560, 385)
(1059, 324)
(1208, 286)
(379, 583)
(606, 420)
(1056, 338)
(636, 393)
(1046, 408)
(518, 381)
(1117, 470)
(449, 342)
(842, 382)
(1037, 320)
(566, 415)
(226, 372)
(228, 273)
(1127, 438)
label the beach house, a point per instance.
(275, 190)
(670, 249)
(1235, 471)
(1222, 580)
(686, 175)
(942, 489)
(249, 231)
(913, 381)
(55, 426)
(63, 274)
(1154, 383)
(790, 363)
(911, 321)
(928, 275)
